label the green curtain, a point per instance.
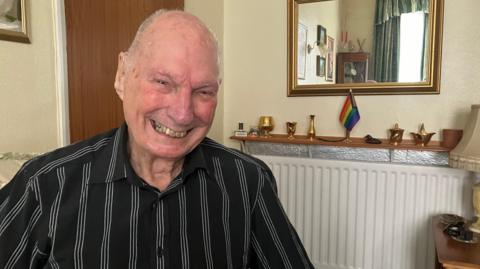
(387, 35)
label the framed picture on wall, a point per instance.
(321, 35)
(320, 66)
(330, 59)
(13, 21)
(302, 51)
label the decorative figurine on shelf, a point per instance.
(240, 131)
(265, 125)
(422, 137)
(254, 132)
(311, 128)
(396, 135)
(291, 128)
(371, 140)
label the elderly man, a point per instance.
(155, 193)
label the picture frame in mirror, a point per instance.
(321, 35)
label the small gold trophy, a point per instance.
(396, 135)
(291, 128)
(265, 124)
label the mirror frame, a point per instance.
(430, 86)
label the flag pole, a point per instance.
(347, 132)
(347, 136)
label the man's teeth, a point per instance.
(167, 131)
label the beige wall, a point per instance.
(256, 82)
(27, 87)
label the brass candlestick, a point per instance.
(311, 128)
(291, 128)
(265, 124)
(396, 135)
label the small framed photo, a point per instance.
(13, 20)
(321, 35)
(320, 66)
(330, 59)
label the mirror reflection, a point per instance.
(362, 41)
(369, 46)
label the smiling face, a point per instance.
(168, 84)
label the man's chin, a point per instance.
(172, 151)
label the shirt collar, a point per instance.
(113, 163)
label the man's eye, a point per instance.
(207, 92)
(162, 82)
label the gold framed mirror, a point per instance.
(338, 45)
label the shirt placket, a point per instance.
(160, 249)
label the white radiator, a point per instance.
(368, 215)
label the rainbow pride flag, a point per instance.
(349, 115)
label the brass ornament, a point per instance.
(422, 137)
(291, 128)
(265, 124)
(396, 135)
(311, 129)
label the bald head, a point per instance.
(164, 22)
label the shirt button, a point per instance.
(160, 251)
(154, 206)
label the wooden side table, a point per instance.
(452, 254)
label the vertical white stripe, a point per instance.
(246, 210)
(185, 255)
(225, 210)
(258, 250)
(108, 207)
(3, 204)
(107, 225)
(160, 234)
(205, 220)
(82, 218)
(12, 214)
(22, 245)
(52, 229)
(36, 252)
(273, 232)
(134, 207)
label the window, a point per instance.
(411, 47)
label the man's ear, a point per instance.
(121, 73)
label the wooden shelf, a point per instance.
(356, 142)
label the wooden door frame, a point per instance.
(61, 73)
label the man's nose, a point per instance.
(181, 108)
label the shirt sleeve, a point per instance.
(20, 212)
(274, 241)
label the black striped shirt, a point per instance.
(83, 206)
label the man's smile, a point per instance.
(162, 129)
